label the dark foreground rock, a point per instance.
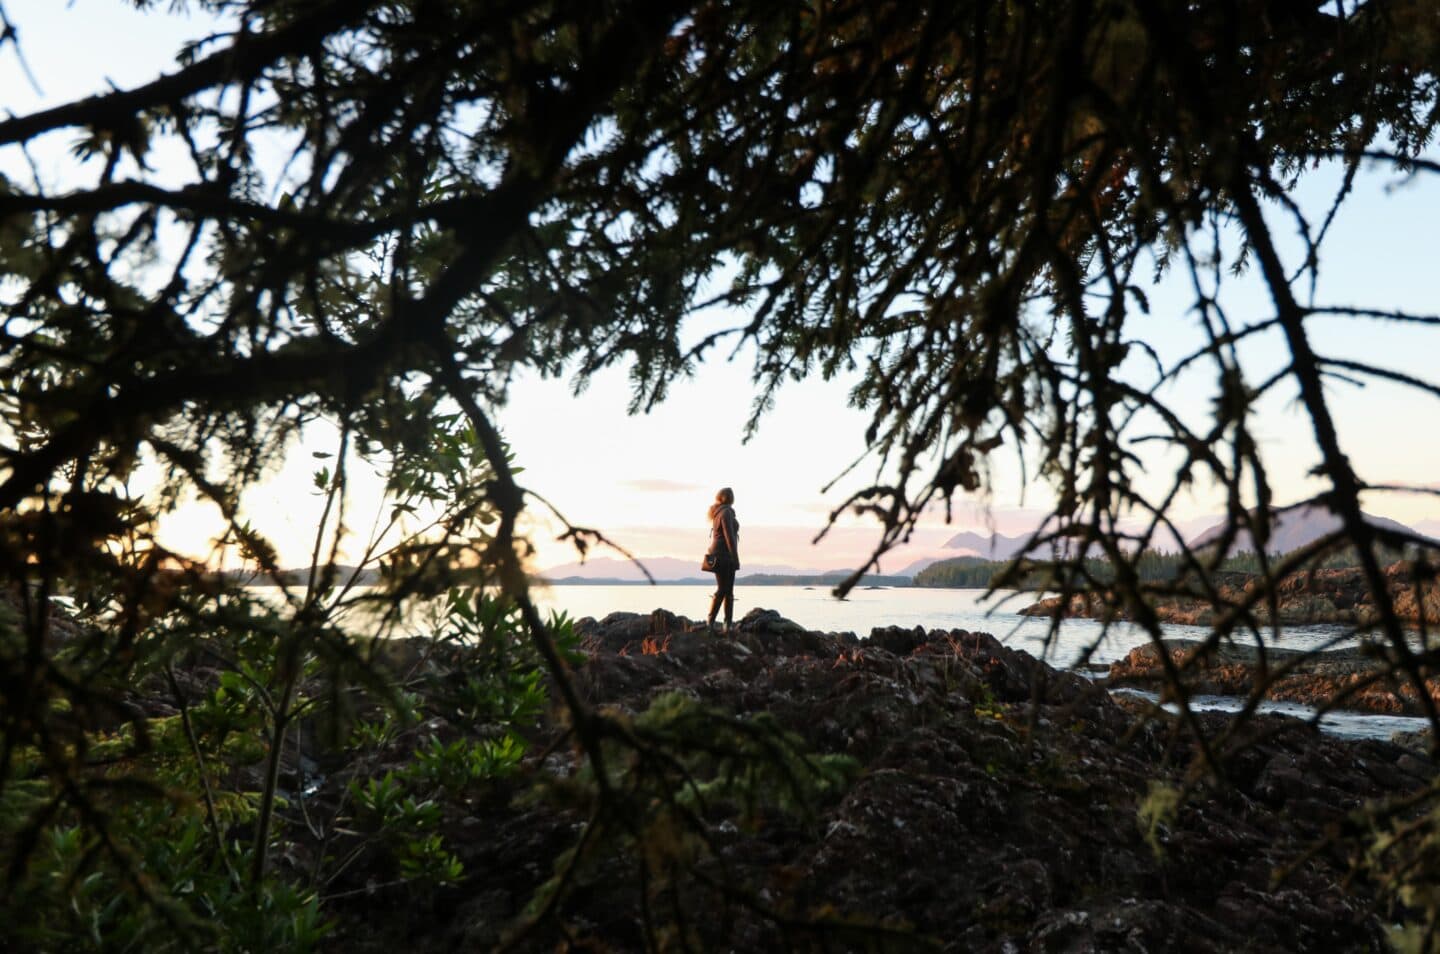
(980, 819)
(1316, 596)
(1359, 679)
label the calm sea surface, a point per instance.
(815, 608)
(948, 609)
(865, 609)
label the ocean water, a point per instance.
(815, 608)
(1346, 725)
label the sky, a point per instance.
(646, 480)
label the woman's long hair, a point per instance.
(724, 497)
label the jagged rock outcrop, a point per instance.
(1317, 596)
(995, 810)
(1360, 679)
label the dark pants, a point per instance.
(724, 592)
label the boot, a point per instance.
(714, 609)
(729, 614)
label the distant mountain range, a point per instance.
(1430, 528)
(919, 565)
(1294, 527)
(673, 569)
(661, 568)
(996, 546)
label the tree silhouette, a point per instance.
(956, 201)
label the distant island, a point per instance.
(755, 579)
(370, 576)
(970, 560)
(1292, 527)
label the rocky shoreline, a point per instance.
(1360, 679)
(997, 805)
(1316, 596)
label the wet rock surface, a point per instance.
(1339, 595)
(1358, 679)
(981, 819)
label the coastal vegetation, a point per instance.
(350, 224)
(1149, 566)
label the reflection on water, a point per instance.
(1346, 725)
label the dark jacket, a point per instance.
(723, 526)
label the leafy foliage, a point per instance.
(663, 779)
(1402, 855)
(952, 200)
(1150, 566)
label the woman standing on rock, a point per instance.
(723, 557)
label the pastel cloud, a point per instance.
(660, 486)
